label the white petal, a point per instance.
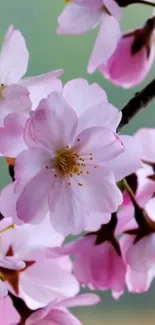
(106, 42)
(77, 19)
(13, 57)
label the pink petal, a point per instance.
(132, 69)
(45, 282)
(85, 299)
(77, 19)
(53, 115)
(82, 96)
(141, 256)
(11, 263)
(146, 138)
(4, 223)
(138, 282)
(29, 163)
(99, 192)
(91, 3)
(107, 268)
(101, 142)
(103, 114)
(55, 316)
(103, 49)
(150, 208)
(3, 292)
(126, 163)
(41, 86)
(113, 8)
(32, 202)
(13, 57)
(8, 194)
(8, 314)
(14, 98)
(66, 211)
(11, 135)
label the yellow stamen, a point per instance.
(66, 162)
(7, 228)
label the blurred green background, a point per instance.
(37, 20)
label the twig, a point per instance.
(21, 307)
(137, 103)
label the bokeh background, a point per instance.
(37, 20)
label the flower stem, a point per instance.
(147, 3)
(137, 103)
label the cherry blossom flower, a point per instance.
(80, 16)
(8, 314)
(57, 313)
(86, 100)
(97, 263)
(14, 92)
(42, 280)
(98, 266)
(137, 52)
(71, 165)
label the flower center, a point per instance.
(66, 162)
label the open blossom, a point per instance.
(80, 16)
(57, 313)
(97, 265)
(94, 113)
(70, 165)
(8, 313)
(136, 50)
(42, 280)
(14, 91)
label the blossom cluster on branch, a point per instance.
(72, 173)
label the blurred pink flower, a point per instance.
(42, 280)
(56, 313)
(136, 50)
(79, 16)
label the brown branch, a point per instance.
(137, 103)
(21, 308)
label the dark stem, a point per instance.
(151, 4)
(21, 307)
(137, 103)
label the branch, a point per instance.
(137, 103)
(21, 308)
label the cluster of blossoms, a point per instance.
(72, 173)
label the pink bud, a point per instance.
(133, 57)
